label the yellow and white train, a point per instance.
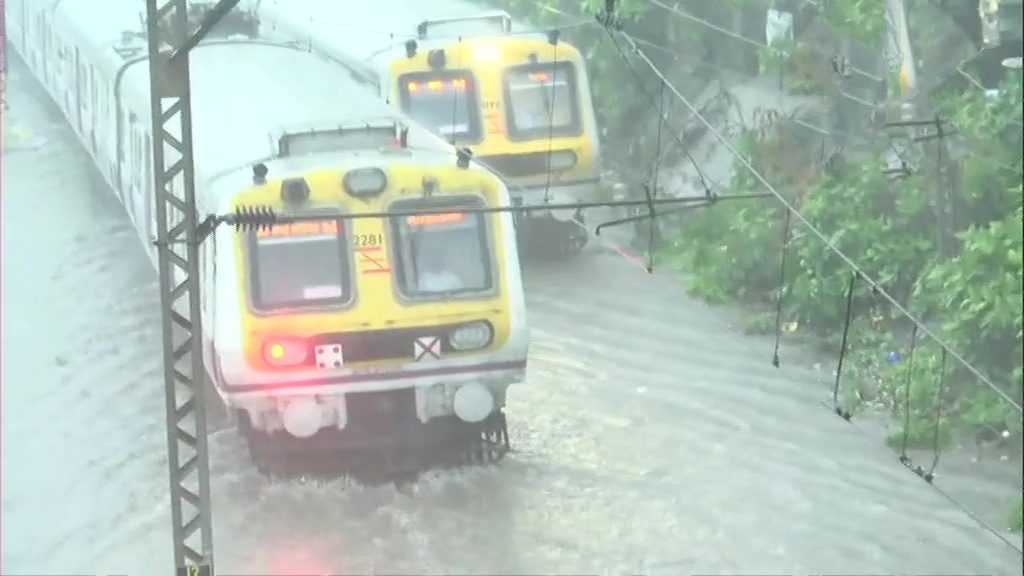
(321, 334)
(520, 100)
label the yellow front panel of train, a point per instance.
(497, 95)
(391, 291)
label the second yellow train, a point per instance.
(520, 100)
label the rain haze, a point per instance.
(652, 436)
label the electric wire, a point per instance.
(573, 25)
(708, 202)
(550, 101)
(391, 46)
(907, 382)
(251, 217)
(848, 320)
(634, 44)
(697, 20)
(613, 26)
(652, 190)
(656, 168)
(661, 118)
(455, 98)
(412, 35)
(818, 233)
(262, 217)
(869, 439)
(780, 297)
(939, 403)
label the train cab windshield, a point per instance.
(542, 100)
(443, 254)
(443, 102)
(299, 265)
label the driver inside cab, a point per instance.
(435, 276)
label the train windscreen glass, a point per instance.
(299, 265)
(444, 102)
(443, 254)
(542, 100)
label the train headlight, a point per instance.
(285, 351)
(365, 182)
(471, 336)
(562, 160)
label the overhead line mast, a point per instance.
(178, 238)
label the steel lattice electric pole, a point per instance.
(178, 239)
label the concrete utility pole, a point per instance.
(178, 239)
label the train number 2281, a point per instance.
(368, 240)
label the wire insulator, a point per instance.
(251, 218)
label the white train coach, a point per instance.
(325, 334)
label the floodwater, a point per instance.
(649, 438)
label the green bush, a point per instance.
(958, 267)
(967, 289)
(948, 250)
(972, 300)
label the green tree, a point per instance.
(969, 292)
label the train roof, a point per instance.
(370, 30)
(248, 95)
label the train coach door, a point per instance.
(79, 91)
(92, 101)
(132, 171)
(44, 45)
(147, 201)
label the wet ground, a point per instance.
(650, 439)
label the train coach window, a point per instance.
(442, 254)
(299, 265)
(444, 102)
(542, 100)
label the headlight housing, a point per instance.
(562, 160)
(472, 336)
(365, 182)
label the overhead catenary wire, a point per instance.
(652, 190)
(697, 20)
(258, 217)
(412, 35)
(907, 382)
(868, 436)
(585, 23)
(552, 33)
(609, 23)
(844, 343)
(551, 30)
(455, 99)
(550, 99)
(780, 297)
(939, 404)
(818, 233)
(662, 119)
(746, 163)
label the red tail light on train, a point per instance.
(279, 352)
